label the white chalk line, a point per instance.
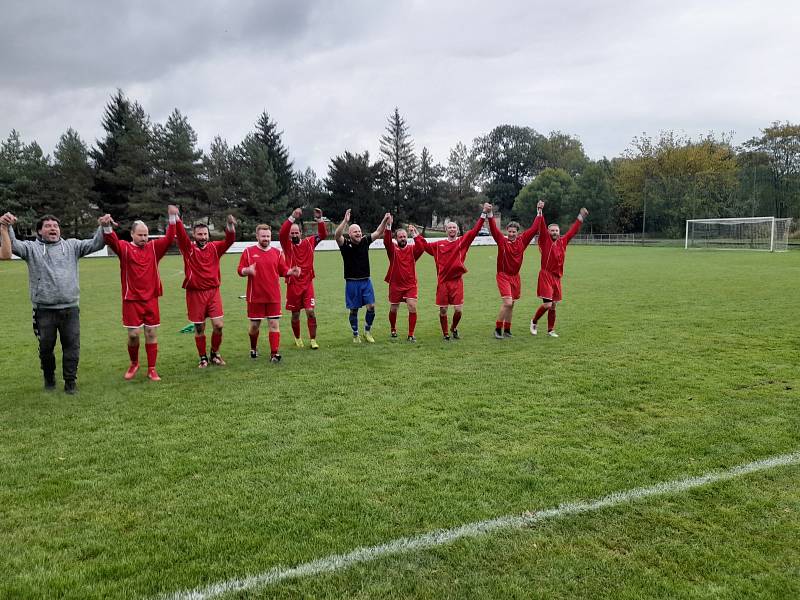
(336, 562)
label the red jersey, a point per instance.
(553, 252)
(449, 256)
(510, 254)
(201, 265)
(138, 266)
(302, 254)
(402, 261)
(263, 287)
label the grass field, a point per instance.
(670, 364)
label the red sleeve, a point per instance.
(531, 231)
(428, 246)
(495, 230)
(544, 238)
(112, 241)
(322, 231)
(161, 245)
(420, 245)
(576, 227)
(221, 247)
(244, 261)
(283, 268)
(283, 235)
(387, 243)
(468, 237)
(184, 243)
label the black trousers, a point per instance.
(65, 323)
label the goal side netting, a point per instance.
(745, 233)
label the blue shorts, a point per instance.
(358, 292)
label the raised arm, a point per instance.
(388, 244)
(470, 235)
(5, 242)
(93, 244)
(109, 237)
(11, 245)
(322, 231)
(531, 231)
(544, 238)
(494, 229)
(576, 226)
(420, 243)
(283, 233)
(161, 245)
(381, 228)
(338, 235)
(230, 237)
(184, 243)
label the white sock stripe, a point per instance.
(336, 562)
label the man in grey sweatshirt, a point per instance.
(53, 282)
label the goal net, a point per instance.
(745, 233)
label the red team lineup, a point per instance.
(264, 266)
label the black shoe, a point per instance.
(446, 338)
(49, 383)
(498, 335)
(394, 334)
(254, 354)
(411, 339)
(275, 358)
(455, 334)
(507, 333)
(70, 388)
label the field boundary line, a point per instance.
(337, 562)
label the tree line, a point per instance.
(138, 167)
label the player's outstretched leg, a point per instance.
(200, 343)
(216, 342)
(369, 319)
(543, 308)
(457, 313)
(151, 349)
(274, 340)
(443, 323)
(551, 321)
(133, 352)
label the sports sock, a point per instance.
(443, 323)
(551, 319)
(456, 319)
(507, 326)
(393, 320)
(254, 340)
(296, 328)
(274, 341)
(369, 318)
(152, 354)
(539, 312)
(200, 342)
(216, 341)
(354, 320)
(412, 323)
(498, 326)
(133, 352)
(312, 327)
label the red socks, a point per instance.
(412, 323)
(200, 342)
(133, 352)
(296, 328)
(312, 327)
(506, 325)
(551, 319)
(539, 312)
(254, 341)
(499, 325)
(216, 341)
(456, 319)
(152, 354)
(393, 320)
(443, 323)
(274, 341)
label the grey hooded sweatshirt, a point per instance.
(53, 267)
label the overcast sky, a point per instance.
(330, 72)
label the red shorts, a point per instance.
(450, 292)
(401, 294)
(299, 298)
(203, 304)
(549, 286)
(263, 310)
(136, 313)
(509, 285)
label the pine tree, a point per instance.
(353, 182)
(397, 153)
(267, 133)
(73, 198)
(178, 165)
(256, 184)
(24, 180)
(427, 192)
(219, 182)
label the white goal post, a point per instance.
(744, 233)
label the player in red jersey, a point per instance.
(402, 275)
(300, 290)
(201, 282)
(263, 266)
(141, 286)
(553, 247)
(510, 252)
(449, 255)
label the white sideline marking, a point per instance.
(336, 562)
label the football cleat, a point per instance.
(216, 359)
(298, 342)
(533, 328)
(498, 335)
(368, 337)
(152, 375)
(203, 363)
(411, 339)
(445, 338)
(552, 333)
(131, 372)
(356, 339)
(507, 333)
(455, 334)
(275, 358)
(313, 344)
(393, 334)
(253, 354)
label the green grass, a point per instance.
(670, 363)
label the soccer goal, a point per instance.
(745, 233)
